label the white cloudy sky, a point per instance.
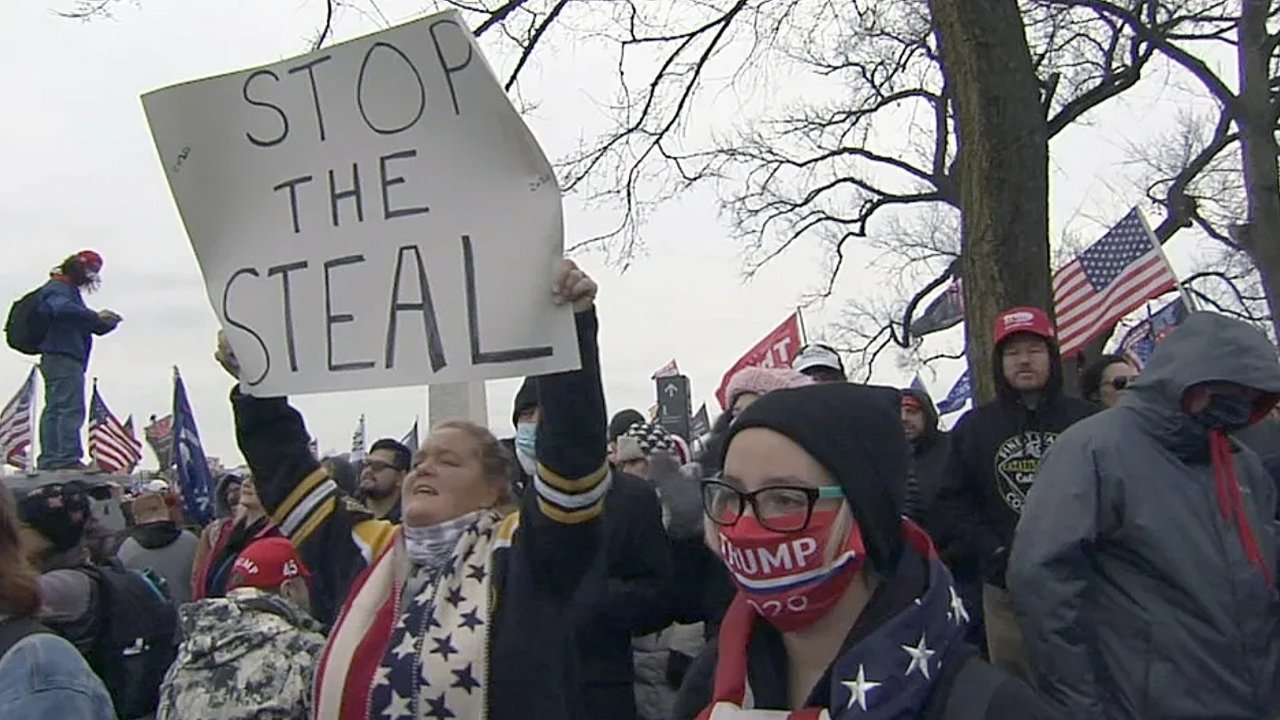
(80, 171)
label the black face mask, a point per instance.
(1225, 412)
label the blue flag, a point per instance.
(958, 396)
(194, 478)
(1141, 340)
(918, 385)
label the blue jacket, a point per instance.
(72, 325)
(44, 676)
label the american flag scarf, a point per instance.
(424, 656)
(887, 675)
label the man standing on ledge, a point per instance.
(64, 356)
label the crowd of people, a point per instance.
(829, 552)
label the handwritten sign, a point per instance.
(375, 214)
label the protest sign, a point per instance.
(374, 214)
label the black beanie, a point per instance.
(855, 432)
(622, 422)
(526, 399)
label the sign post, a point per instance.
(374, 214)
(674, 405)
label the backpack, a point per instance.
(25, 329)
(137, 636)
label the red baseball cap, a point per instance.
(1024, 320)
(266, 564)
(91, 259)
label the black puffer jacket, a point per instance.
(928, 460)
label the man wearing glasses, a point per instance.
(380, 478)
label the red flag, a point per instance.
(777, 349)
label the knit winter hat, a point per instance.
(642, 440)
(623, 420)
(760, 381)
(855, 432)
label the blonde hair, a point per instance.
(495, 460)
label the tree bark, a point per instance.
(1004, 168)
(1256, 120)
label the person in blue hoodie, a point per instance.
(64, 356)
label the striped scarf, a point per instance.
(423, 656)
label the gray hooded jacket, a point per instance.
(1133, 588)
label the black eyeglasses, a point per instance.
(782, 509)
(1121, 383)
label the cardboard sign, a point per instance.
(371, 215)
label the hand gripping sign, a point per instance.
(374, 214)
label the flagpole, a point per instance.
(30, 464)
(1187, 299)
(804, 336)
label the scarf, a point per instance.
(1227, 488)
(431, 546)
(886, 675)
(425, 655)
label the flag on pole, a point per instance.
(917, 384)
(358, 443)
(159, 435)
(410, 439)
(777, 349)
(111, 445)
(958, 395)
(1110, 279)
(16, 423)
(946, 311)
(194, 479)
(700, 426)
(668, 370)
(1141, 340)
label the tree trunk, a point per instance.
(1256, 119)
(1004, 168)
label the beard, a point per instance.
(375, 492)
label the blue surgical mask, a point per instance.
(527, 439)
(1226, 412)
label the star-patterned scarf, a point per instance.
(394, 656)
(887, 675)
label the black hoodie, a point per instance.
(929, 454)
(995, 451)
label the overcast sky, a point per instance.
(81, 172)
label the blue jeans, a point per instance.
(44, 676)
(63, 414)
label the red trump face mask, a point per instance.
(785, 576)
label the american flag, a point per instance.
(16, 422)
(1110, 279)
(111, 444)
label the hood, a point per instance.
(1205, 347)
(220, 507)
(218, 632)
(154, 535)
(1008, 394)
(930, 412)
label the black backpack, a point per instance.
(25, 329)
(136, 639)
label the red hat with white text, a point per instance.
(1024, 320)
(266, 564)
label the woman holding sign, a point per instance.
(465, 610)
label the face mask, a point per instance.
(785, 576)
(527, 439)
(1226, 412)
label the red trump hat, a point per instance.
(266, 564)
(1023, 320)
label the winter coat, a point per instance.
(635, 603)
(72, 325)
(548, 563)
(995, 450)
(1264, 439)
(1136, 595)
(44, 676)
(247, 656)
(929, 454)
(167, 550)
(913, 610)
